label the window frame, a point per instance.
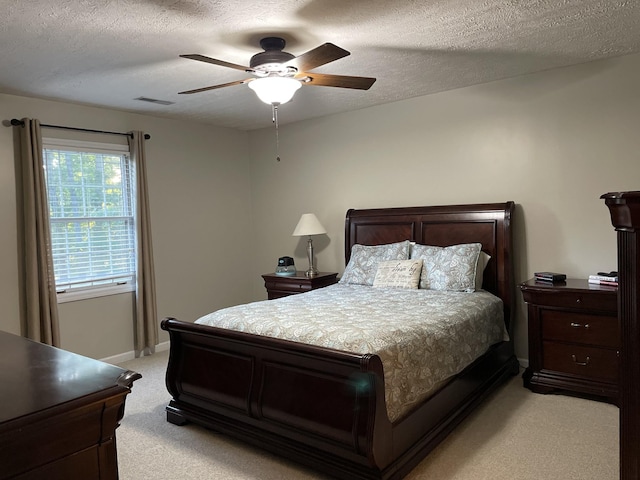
(83, 293)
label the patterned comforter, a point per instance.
(423, 337)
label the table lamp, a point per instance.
(309, 225)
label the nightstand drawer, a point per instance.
(580, 327)
(589, 362)
(581, 300)
(291, 287)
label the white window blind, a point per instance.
(91, 206)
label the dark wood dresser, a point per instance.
(574, 339)
(282, 285)
(58, 412)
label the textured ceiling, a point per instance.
(110, 52)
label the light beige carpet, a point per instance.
(514, 435)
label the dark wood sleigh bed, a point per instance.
(326, 408)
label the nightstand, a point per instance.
(574, 339)
(281, 285)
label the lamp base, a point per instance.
(311, 273)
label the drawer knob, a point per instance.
(583, 364)
(578, 325)
(579, 300)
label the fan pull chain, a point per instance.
(274, 119)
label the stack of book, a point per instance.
(604, 278)
(549, 277)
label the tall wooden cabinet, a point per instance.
(624, 208)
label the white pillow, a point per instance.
(448, 268)
(398, 273)
(363, 264)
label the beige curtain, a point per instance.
(40, 290)
(146, 322)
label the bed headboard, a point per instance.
(488, 223)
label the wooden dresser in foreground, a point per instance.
(58, 412)
(574, 339)
(281, 286)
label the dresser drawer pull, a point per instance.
(578, 325)
(584, 364)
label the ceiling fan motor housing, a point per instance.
(273, 64)
(272, 59)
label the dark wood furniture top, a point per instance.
(574, 338)
(59, 412)
(283, 285)
(624, 208)
(326, 408)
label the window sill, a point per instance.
(84, 294)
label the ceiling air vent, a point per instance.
(154, 100)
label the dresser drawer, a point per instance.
(578, 327)
(586, 300)
(589, 362)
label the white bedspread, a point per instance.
(423, 337)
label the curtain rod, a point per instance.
(15, 122)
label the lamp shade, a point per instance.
(308, 225)
(275, 90)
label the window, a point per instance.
(90, 188)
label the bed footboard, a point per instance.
(325, 408)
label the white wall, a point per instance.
(553, 142)
(223, 212)
(199, 187)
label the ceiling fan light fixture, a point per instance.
(275, 90)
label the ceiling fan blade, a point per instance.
(318, 56)
(213, 87)
(342, 81)
(222, 63)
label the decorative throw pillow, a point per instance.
(448, 268)
(363, 264)
(398, 273)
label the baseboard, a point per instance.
(524, 362)
(125, 357)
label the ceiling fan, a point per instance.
(279, 74)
